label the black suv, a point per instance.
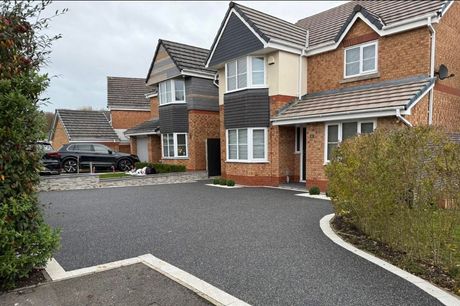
(74, 154)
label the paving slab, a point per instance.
(136, 284)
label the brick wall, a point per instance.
(59, 136)
(125, 148)
(400, 55)
(154, 147)
(133, 145)
(128, 119)
(446, 106)
(202, 125)
(154, 104)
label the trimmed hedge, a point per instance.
(391, 185)
(162, 168)
(216, 181)
(230, 183)
(223, 182)
(314, 190)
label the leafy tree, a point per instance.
(26, 242)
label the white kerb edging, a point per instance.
(441, 295)
(200, 287)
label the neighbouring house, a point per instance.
(82, 126)
(290, 93)
(184, 124)
(128, 104)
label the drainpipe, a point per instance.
(402, 119)
(215, 80)
(432, 59)
(302, 53)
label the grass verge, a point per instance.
(112, 175)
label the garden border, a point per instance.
(441, 295)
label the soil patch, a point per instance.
(35, 277)
(425, 270)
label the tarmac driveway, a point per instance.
(261, 245)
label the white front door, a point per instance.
(143, 148)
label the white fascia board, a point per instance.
(338, 116)
(198, 74)
(151, 95)
(284, 46)
(94, 140)
(233, 11)
(142, 134)
(394, 28)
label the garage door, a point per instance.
(142, 148)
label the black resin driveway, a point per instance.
(261, 245)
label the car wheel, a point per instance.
(125, 165)
(70, 165)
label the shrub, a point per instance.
(223, 182)
(216, 181)
(162, 168)
(26, 241)
(230, 183)
(314, 190)
(390, 183)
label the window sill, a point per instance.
(173, 158)
(248, 161)
(169, 103)
(360, 78)
(245, 88)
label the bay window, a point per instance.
(248, 144)
(174, 145)
(338, 132)
(245, 72)
(172, 91)
(361, 59)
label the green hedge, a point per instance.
(162, 168)
(391, 183)
(314, 190)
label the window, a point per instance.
(101, 149)
(361, 59)
(297, 139)
(248, 145)
(338, 132)
(83, 147)
(245, 72)
(174, 145)
(172, 91)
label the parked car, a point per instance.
(82, 154)
(51, 160)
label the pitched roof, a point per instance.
(395, 94)
(328, 25)
(455, 137)
(151, 126)
(271, 27)
(86, 125)
(127, 93)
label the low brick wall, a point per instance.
(56, 183)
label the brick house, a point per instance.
(82, 126)
(128, 105)
(290, 93)
(184, 112)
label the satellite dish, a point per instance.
(443, 72)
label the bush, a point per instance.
(26, 241)
(230, 183)
(314, 190)
(162, 168)
(216, 181)
(223, 182)
(390, 184)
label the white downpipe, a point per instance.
(402, 119)
(432, 60)
(215, 79)
(299, 83)
(304, 50)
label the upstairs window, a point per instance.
(245, 72)
(361, 59)
(172, 91)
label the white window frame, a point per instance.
(173, 92)
(249, 83)
(175, 146)
(250, 150)
(340, 132)
(361, 47)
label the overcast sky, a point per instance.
(118, 38)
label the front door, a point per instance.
(213, 156)
(303, 154)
